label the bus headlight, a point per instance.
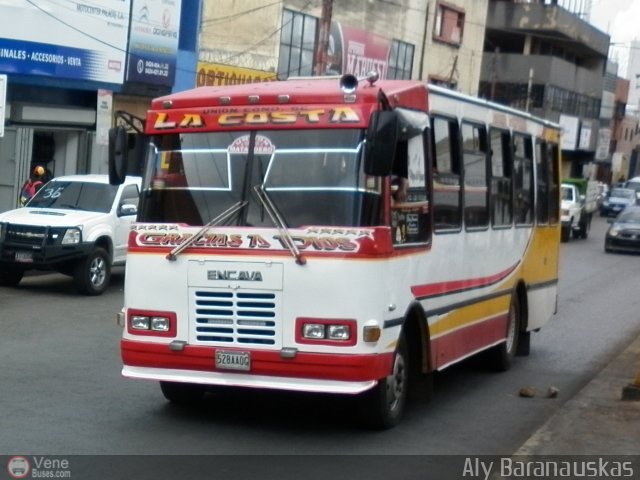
(160, 324)
(338, 332)
(139, 322)
(142, 322)
(313, 330)
(326, 331)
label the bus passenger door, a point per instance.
(409, 198)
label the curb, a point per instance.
(598, 420)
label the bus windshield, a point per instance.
(312, 177)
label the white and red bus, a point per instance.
(346, 237)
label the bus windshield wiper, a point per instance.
(172, 255)
(277, 220)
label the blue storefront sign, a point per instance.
(153, 41)
(84, 42)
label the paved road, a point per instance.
(62, 392)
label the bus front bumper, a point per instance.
(306, 372)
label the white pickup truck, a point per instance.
(77, 225)
(579, 200)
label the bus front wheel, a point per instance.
(182, 393)
(383, 405)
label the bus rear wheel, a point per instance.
(384, 404)
(501, 356)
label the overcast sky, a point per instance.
(620, 19)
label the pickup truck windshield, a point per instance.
(567, 193)
(89, 196)
(312, 177)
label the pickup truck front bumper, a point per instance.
(34, 247)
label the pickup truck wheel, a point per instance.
(586, 227)
(10, 277)
(565, 233)
(92, 274)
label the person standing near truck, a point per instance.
(34, 183)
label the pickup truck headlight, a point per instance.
(72, 236)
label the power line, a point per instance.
(58, 19)
(233, 16)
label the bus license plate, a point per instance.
(229, 360)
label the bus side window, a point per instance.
(542, 183)
(476, 189)
(447, 205)
(554, 182)
(501, 178)
(523, 179)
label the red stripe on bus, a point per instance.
(456, 286)
(459, 344)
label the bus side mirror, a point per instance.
(381, 140)
(118, 155)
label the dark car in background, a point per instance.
(623, 234)
(618, 200)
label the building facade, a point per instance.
(545, 59)
(67, 78)
(435, 40)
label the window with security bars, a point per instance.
(297, 44)
(400, 60)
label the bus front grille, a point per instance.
(235, 318)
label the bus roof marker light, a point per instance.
(167, 104)
(225, 100)
(254, 99)
(283, 98)
(372, 77)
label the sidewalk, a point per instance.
(596, 421)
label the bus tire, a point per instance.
(182, 393)
(10, 277)
(384, 404)
(502, 355)
(93, 273)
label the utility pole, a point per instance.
(320, 55)
(454, 70)
(529, 89)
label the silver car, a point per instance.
(618, 200)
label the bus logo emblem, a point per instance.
(244, 275)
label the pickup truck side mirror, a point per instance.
(127, 209)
